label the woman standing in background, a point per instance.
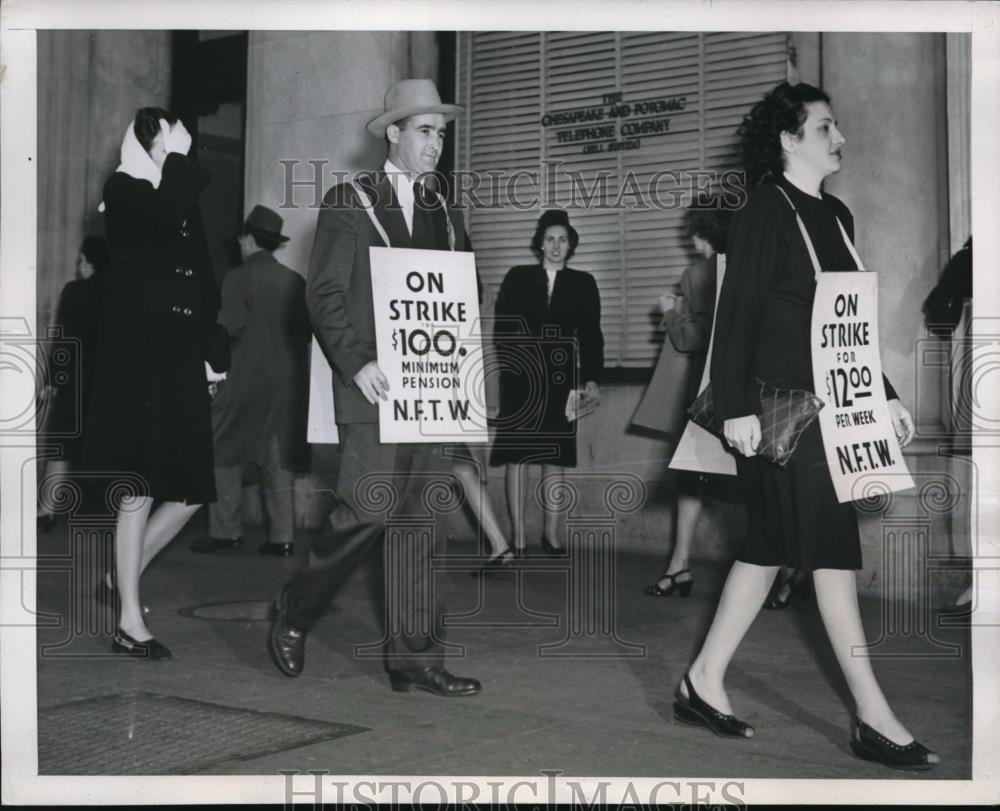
(548, 324)
(69, 393)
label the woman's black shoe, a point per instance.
(798, 584)
(692, 710)
(552, 551)
(122, 643)
(873, 746)
(504, 562)
(684, 588)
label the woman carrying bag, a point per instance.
(687, 319)
(787, 232)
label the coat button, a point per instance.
(175, 309)
(187, 311)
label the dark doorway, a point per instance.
(209, 93)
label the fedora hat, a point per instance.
(264, 222)
(411, 97)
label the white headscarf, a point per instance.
(135, 161)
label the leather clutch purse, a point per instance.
(784, 415)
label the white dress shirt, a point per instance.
(552, 281)
(403, 186)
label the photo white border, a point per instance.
(18, 122)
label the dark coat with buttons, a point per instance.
(149, 413)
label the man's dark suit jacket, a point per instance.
(339, 287)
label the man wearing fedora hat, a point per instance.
(387, 208)
(259, 412)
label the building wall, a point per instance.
(90, 83)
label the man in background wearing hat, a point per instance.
(259, 413)
(387, 208)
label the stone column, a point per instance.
(90, 83)
(891, 97)
(309, 95)
(887, 96)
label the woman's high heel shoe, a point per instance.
(690, 709)
(873, 746)
(551, 550)
(122, 643)
(798, 585)
(497, 564)
(682, 588)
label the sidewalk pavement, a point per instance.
(582, 686)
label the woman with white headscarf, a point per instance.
(148, 422)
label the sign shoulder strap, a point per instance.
(447, 219)
(809, 245)
(805, 234)
(366, 204)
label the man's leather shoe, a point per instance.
(280, 550)
(209, 546)
(434, 679)
(286, 642)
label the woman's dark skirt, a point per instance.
(794, 518)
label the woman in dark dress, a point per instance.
(790, 144)
(76, 316)
(557, 310)
(149, 424)
(687, 318)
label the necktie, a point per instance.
(429, 228)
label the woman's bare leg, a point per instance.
(742, 598)
(688, 513)
(166, 521)
(479, 502)
(837, 597)
(130, 529)
(516, 498)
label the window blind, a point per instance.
(626, 119)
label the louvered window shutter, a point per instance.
(631, 231)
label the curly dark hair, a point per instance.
(709, 222)
(783, 109)
(548, 219)
(147, 124)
